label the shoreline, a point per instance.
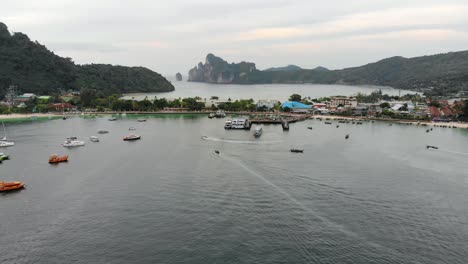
(42, 116)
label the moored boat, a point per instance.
(4, 156)
(4, 141)
(141, 120)
(57, 159)
(285, 125)
(73, 142)
(131, 137)
(112, 119)
(211, 115)
(297, 150)
(10, 186)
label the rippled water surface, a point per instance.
(378, 197)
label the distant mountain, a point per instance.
(35, 69)
(217, 70)
(320, 68)
(436, 74)
(285, 68)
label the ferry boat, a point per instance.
(240, 123)
(57, 159)
(131, 137)
(10, 186)
(73, 142)
(258, 131)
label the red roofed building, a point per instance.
(62, 106)
(434, 111)
(446, 111)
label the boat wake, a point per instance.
(325, 220)
(255, 142)
(454, 152)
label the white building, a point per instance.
(348, 102)
(268, 105)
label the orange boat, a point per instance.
(57, 159)
(10, 186)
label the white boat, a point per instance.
(228, 124)
(4, 141)
(240, 123)
(73, 143)
(220, 114)
(258, 131)
(4, 144)
(94, 139)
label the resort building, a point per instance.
(348, 102)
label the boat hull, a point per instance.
(8, 187)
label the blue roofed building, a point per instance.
(296, 106)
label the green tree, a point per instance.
(385, 105)
(295, 98)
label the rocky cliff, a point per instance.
(217, 70)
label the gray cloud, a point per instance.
(173, 36)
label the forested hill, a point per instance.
(436, 74)
(33, 68)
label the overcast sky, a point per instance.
(172, 36)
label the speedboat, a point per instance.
(57, 159)
(131, 137)
(103, 131)
(94, 139)
(73, 143)
(10, 186)
(258, 131)
(5, 144)
(228, 124)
